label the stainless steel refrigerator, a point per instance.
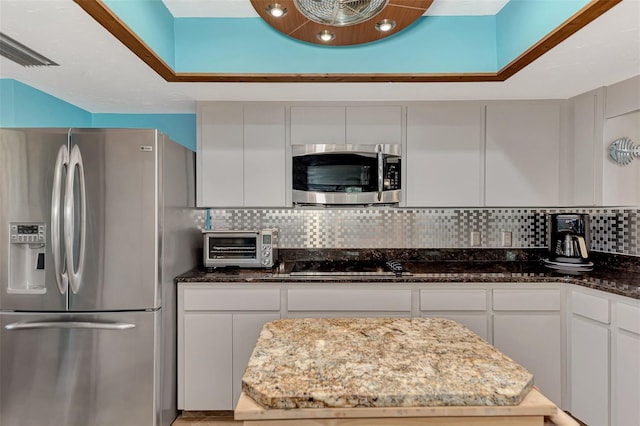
(94, 226)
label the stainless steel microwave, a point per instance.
(245, 249)
(328, 174)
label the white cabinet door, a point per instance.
(620, 184)
(626, 381)
(533, 341)
(522, 154)
(626, 404)
(623, 97)
(246, 329)
(589, 371)
(318, 124)
(264, 155)
(527, 327)
(444, 158)
(586, 179)
(207, 361)
(374, 124)
(220, 171)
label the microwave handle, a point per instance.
(380, 171)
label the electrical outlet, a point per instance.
(474, 239)
(506, 239)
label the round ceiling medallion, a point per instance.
(348, 22)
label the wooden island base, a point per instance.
(531, 411)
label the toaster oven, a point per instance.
(244, 249)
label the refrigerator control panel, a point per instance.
(27, 233)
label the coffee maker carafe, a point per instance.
(568, 241)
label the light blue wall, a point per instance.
(151, 21)
(433, 44)
(24, 106)
(437, 45)
(522, 23)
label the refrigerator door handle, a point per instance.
(69, 325)
(62, 161)
(75, 275)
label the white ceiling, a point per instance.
(243, 8)
(99, 74)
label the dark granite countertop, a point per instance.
(625, 282)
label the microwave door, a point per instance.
(339, 177)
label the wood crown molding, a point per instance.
(105, 17)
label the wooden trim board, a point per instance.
(531, 411)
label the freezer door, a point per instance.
(79, 369)
(113, 264)
(27, 162)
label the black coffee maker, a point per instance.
(568, 242)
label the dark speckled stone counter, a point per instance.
(623, 278)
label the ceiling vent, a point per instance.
(21, 54)
(340, 12)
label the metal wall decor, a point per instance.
(623, 151)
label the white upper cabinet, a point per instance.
(318, 124)
(522, 154)
(264, 155)
(621, 184)
(586, 182)
(241, 154)
(220, 171)
(374, 124)
(623, 97)
(370, 124)
(444, 156)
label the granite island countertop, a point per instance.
(379, 362)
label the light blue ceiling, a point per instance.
(432, 45)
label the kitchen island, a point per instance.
(365, 370)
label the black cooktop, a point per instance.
(347, 267)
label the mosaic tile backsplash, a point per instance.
(612, 230)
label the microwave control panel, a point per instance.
(392, 174)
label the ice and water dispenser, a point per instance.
(26, 258)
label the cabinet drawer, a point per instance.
(208, 299)
(628, 317)
(526, 300)
(453, 300)
(592, 307)
(349, 300)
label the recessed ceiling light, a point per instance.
(385, 25)
(326, 35)
(276, 10)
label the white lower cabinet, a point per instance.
(589, 353)
(466, 306)
(527, 327)
(604, 358)
(589, 371)
(206, 361)
(590, 345)
(625, 400)
(217, 331)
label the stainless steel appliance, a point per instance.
(568, 241)
(94, 226)
(346, 174)
(246, 249)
